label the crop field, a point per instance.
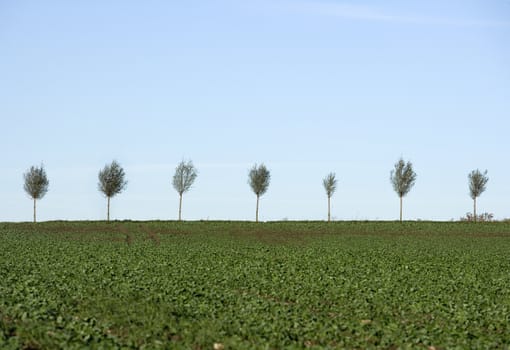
(241, 285)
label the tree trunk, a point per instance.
(400, 208)
(34, 212)
(108, 210)
(329, 209)
(180, 205)
(257, 210)
(474, 209)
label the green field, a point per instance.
(254, 286)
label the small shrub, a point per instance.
(484, 217)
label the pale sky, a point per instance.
(305, 87)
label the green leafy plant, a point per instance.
(244, 285)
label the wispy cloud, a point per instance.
(372, 13)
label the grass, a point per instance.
(254, 286)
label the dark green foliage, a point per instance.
(112, 179)
(258, 179)
(477, 183)
(402, 177)
(185, 285)
(36, 182)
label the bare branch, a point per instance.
(185, 175)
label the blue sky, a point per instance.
(306, 87)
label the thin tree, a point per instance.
(36, 184)
(329, 183)
(185, 175)
(402, 178)
(477, 185)
(111, 182)
(258, 179)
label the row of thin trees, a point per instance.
(112, 181)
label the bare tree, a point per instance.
(329, 183)
(258, 179)
(185, 175)
(111, 182)
(477, 185)
(402, 178)
(36, 184)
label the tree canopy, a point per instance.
(258, 179)
(185, 175)
(112, 179)
(477, 183)
(36, 182)
(329, 183)
(402, 177)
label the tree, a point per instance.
(402, 178)
(329, 183)
(185, 175)
(258, 179)
(36, 184)
(477, 185)
(111, 182)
